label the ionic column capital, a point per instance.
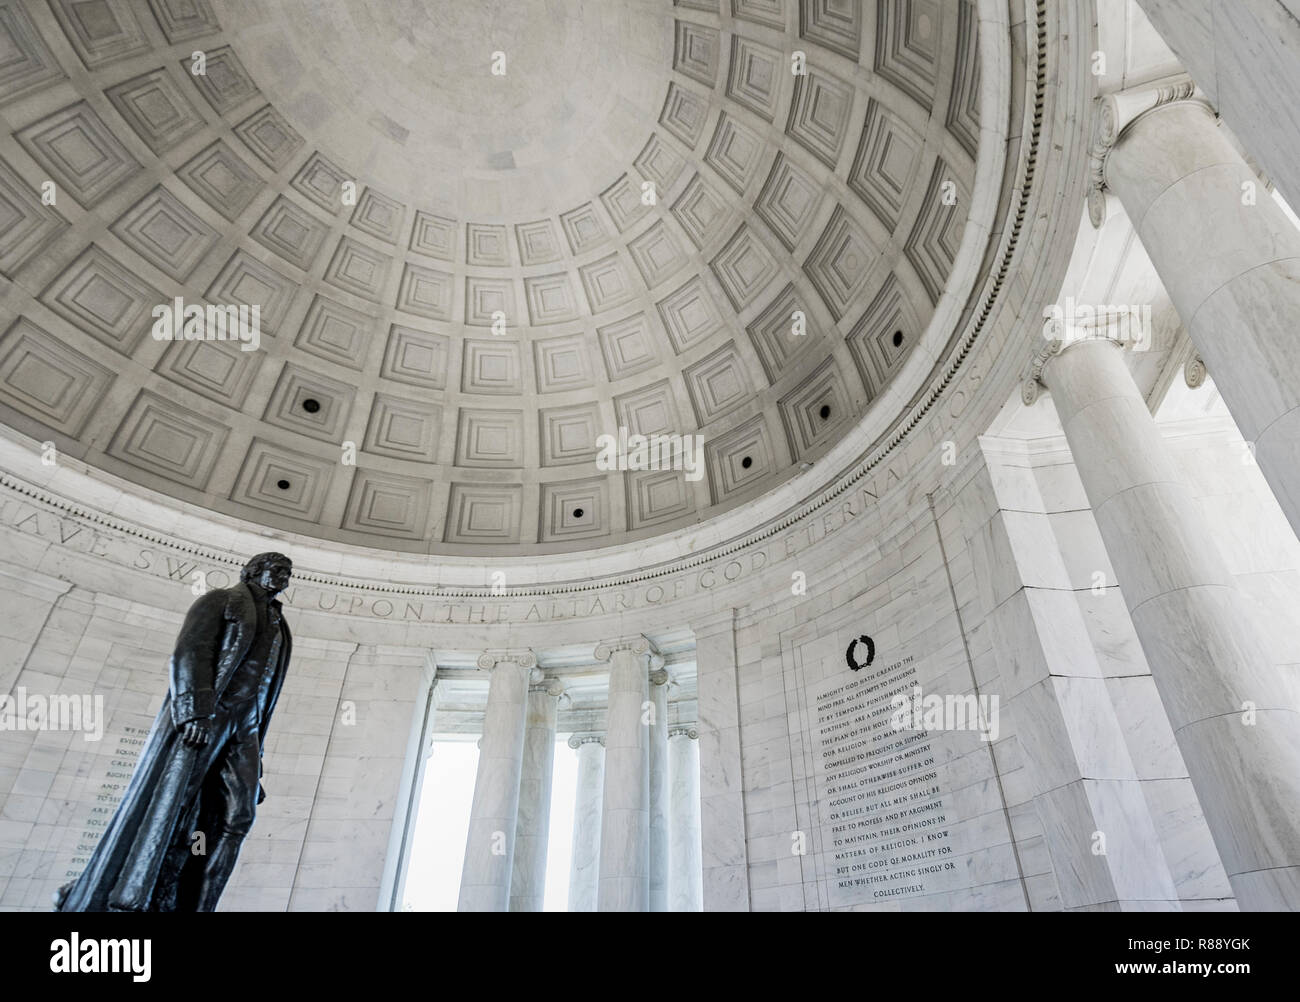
(1032, 383)
(524, 659)
(550, 686)
(1194, 372)
(636, 643)
(659, 675)
(684, 732)
(576, 741)
(1116, 114)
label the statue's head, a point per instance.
(269, 571)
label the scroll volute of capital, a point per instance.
(1032, 384)
(637, 645)
(488, 660)
(1107, 131)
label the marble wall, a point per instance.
(59, 786)
(891, 585)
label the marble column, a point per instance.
(489, 848)
(533, 828)
(685, 873)
(1243, 55)
(659, 791)
(1227, 255)
(584, 867)
(1233, 714)
(624, 883)
(419, 753)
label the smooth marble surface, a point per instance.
(685, 876)
(584, 865)
(722, 799)
(659, 793)
(490, 845)
(1243, 55)
(532, 832)
(624, 881)
(1181, 182)
(1197, 628)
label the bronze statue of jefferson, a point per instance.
(175, 837)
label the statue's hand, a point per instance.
(261, 793)
(196, 733)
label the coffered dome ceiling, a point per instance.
(840, 194)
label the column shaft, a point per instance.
(532, 832)
(1233, 713)
(584, 869)
(659, 793)
(1243, 54)
(489, 847)
(1230, 260)
(625, 821)
(685, 874)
